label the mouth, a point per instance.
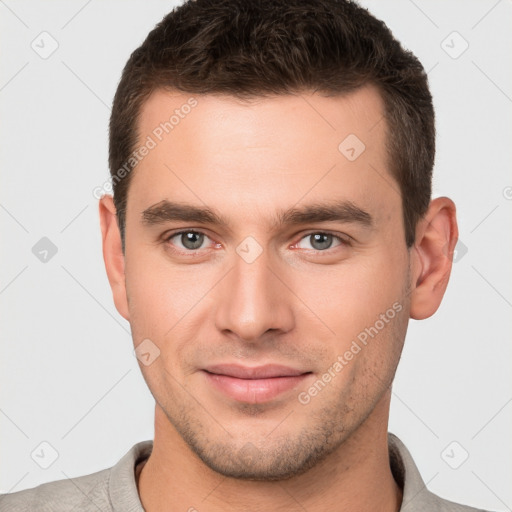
(254, 385)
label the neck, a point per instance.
(356, 476)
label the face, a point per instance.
(266, 264)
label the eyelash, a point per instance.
(343, 241)
(189, 252)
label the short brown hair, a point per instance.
(251, 48)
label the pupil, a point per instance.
(192, 240)
(321, 240)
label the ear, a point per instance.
(436, 236)
(113, 253)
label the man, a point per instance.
(271, 232)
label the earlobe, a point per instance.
(436, 236)
(113, 254)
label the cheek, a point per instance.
(164, 298)
(363, 304)
(349, 297)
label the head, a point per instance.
(272, 164)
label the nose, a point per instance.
(254, 301)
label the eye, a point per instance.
(320, 241)
(188, 240)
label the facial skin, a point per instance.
(299, 303)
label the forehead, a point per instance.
(269, 152)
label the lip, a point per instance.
(254, 384)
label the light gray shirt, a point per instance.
(115, 489)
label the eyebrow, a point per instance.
(340, 211)
(166, 211)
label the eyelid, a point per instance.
(166, 238)
(171, 234)
(341, 237)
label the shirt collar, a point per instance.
(124, 496)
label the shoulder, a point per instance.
(81, 493)
(106, 490)
(438, 504)
(416, 496)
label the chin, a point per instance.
(281, 459)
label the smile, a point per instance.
(254, 385)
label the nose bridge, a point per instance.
(252, 299)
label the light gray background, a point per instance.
(68, 373)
